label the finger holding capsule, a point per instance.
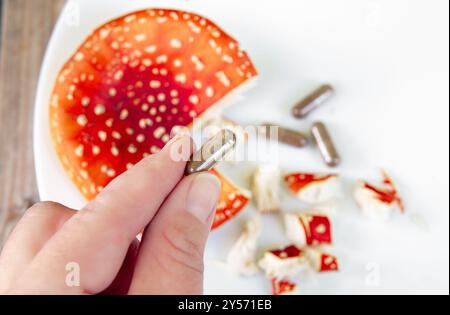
(286, 136)
(325, 144)
(313, 101)
(212, 152)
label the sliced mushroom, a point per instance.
(266, 188)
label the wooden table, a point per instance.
(26, 26)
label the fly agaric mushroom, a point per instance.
(118, 97)
(313, 188)
(379, 203)
(283, 287)
(266, 188)
(308, 229)
(284, 263)
(231, 200)
(242, 256)
(322, 262)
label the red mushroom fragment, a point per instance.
(118, 97)
(313, 188)
(283, 287)
(322, 262)
(379, 203)
(284, 263)
(308, 229)
(231, 201)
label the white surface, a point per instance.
(388, 61)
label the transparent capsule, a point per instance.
(212, 152)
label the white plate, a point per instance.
(389, 63)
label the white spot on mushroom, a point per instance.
(104, 33)
(155, 84)
(161, 19)
(96, 150)
(140, 138)
(174, 93)
(79, 150)
(223, 78)
(165, 138)
(102, 135)
(118, 75)
(162, 59)
(159, 132)
(123, 114)
(151, 99)
(177, 63)
(162, 108)
(199, 65)
(116, 135)
(209, 91)
(175, 101)
(144, 107)
(198, 84)
(150, 49)
(114, 150)
(147, 62)
(112, 92)
(130, 18)
(85, 101)
(132, 149)
(99, 109)
(176, 43)
(194, 99)
(153, 111)
(154, 149)
(82, 120)
(84, 174)
(129, 166)
(79, 56)
(129, 131)
(161, 97)
(181, 78)
(227, 59)
(115, 45)
(140, 37)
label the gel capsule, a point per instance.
(312, 101)
(325, 144)
(212, 152)
(287, 136)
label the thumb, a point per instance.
(170, 260)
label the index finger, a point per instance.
(97, 238)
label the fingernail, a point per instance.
(203, 196)
(180, 148)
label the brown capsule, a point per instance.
(212, 152)
(287, 136)
(325, 144)
(312, 101)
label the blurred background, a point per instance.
(26, 26)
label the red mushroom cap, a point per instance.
(119, 96)
(317, 229)
(231, 201)
(284, 286)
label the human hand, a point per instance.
(100, 239)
